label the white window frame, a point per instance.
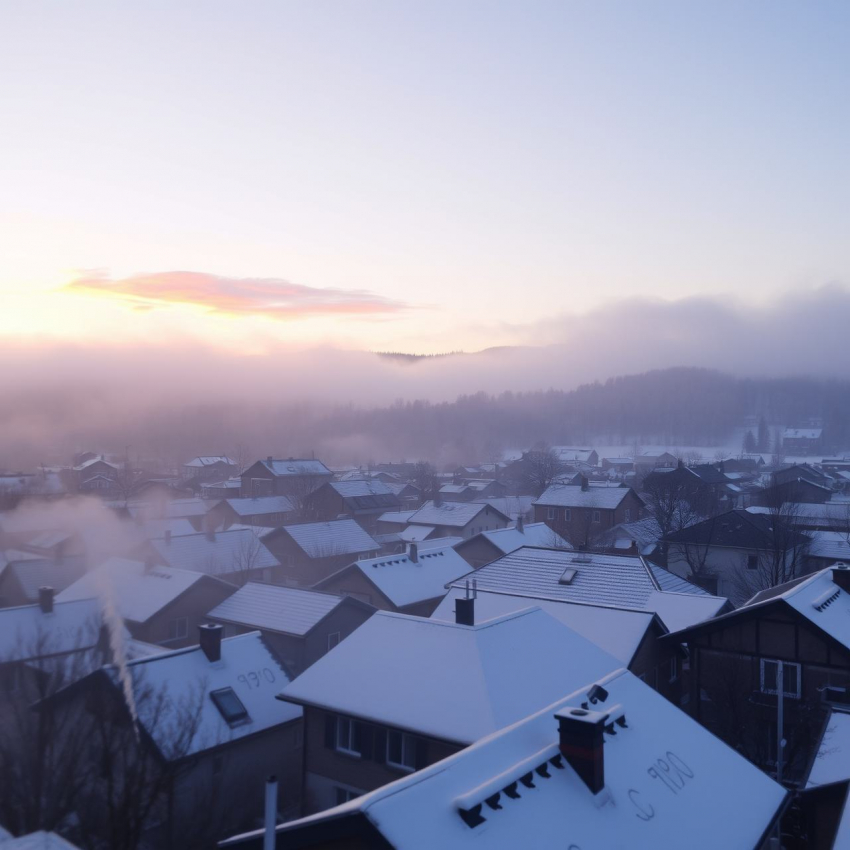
(174, 625)
(344, 736)
(333, 640)
(550, 513)
(596, 516)
(790, 694)
(408, 751)
(568, 515)
(345, 795)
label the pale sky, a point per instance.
(418, 176)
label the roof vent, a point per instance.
(583, 558)
(465, 607)
(567, 576)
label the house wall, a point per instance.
(327, 769)
(653, 662)
(478, 551)
(297, 569)
(354, 583)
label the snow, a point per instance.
(832, 763)
(405, 582)
(276, 608)
(260, 505)
(234, 550)
(572, 496)
(37, 841)
(829, 544)
(533, 534)
(458, 683)
(615, 630)
(455, 514)
(327, 539)
(27, 632)
(138, 593)
(702, 805)
(246, 665)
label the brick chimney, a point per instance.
(269, 459)
(210, 640)
(582, 742)
(584, 482)
(45, 599)
(841, 576)
(413, 553)
(520, 524)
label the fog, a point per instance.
(58, 399)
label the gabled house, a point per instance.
(582, 513)
(193, 510)
(457, 519)
(207, 719)
(738, 553)
(363, 501)
(311, 551)
(641, 537)
(23, 573)
(616, 581)
(261, 512)
(611, 765)
(295, 477)
(486, 546)
(790, 642)
(159, 605)
(413, 582)
(798, 483)
(576, 456)
(210, 468)
(381, 705)
(802, 441)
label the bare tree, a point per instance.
(541, 468)
(246, 556)
(425, 478)
(674, 501)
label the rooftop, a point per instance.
(296, 466)
(573, 496)
(454, 514)
(234, 550)
(260, 505)
(327, 539)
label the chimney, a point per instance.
(45, 599)
(167, 536)
(210, 640)
(679, 463)
(581, 743)
(584, 482)
(269, 459)
(269, 837)
(413, 553)
(520, 524)
(841, 576)
(465, 608)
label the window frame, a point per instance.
(234, 720)
(550, 513)
(763, 662)
(342, 722)
(752, 562)
(336, 643)
(596, 516)
(568, 515)
(407, 744)
(174, 630)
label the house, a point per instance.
(483, 489)
(298, 625)
(236, 555)
(458, 519)
(403, 692)
(311, 551)
(486, 546)
(619, 465)
(393, 522)
(456, 493)
(194, 510)
(825, 549)
(408, 495)
(209, 724)
(410, 583)
(230, 488)
(23, 573)
(812, 516)
(512, 507)
(295, 477)
(737, 553)
(363, 501)
(95, 475)
(799, 631)
(641, 537)
(646, 462)
(798, 483)
(210, 468)
(159, 605)
(260, 512)
(581, 513)
(617, 581)
(573, 456)
(802, 441)
(611, 765)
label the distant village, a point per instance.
(552, 646)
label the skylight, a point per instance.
(567, 576)
(230, 706)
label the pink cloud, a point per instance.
(269, 297)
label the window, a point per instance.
(596, 516)
(333, 640)
(568, 515)
(178, 629)
(401, 750)
(343, 795)
(674, 669)
(627, 516)
(347, 735)
(230, 706)
(752, 562)
(790, 678)
(550, 513)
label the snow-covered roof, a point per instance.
(40, 840)
(247, 666)
(405, 582)
(296, 466)
(27, 632)
(260, 505)
(234, 550)
(352, 489)
(209, 460)
(173, 509)
(35, 572)
(802, 433)
(416, 533)
(137, 592)
(533, 534)
(458, 683)
(511, 506)
(829, 544)
(438, 543)
(454, 514)
(616, 630)
(619, 581)
(569, 453)
(91, 462)
(275, 608)
(720, 799)
(573, 496)
(158, 527)
(399, 517)
(326, 539)
(832, 763)
(826, 514)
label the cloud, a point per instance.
(268, 297)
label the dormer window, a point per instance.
(230, 706)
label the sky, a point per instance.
(418, 177)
